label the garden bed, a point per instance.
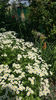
(23, 73)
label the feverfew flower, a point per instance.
(44, 90)
(31, 55)
(34, 49)
(25, 66)
(51, 73)
(5, 55)
(30, 91)
(31, 80)
(19, 56)
(20, 98)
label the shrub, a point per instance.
(3, 5)
(43, 17)
(23, 73)
(53, 33)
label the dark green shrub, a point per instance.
(3, 5)
(43, 16)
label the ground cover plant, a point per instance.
(23, 73)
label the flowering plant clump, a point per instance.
(22, 70)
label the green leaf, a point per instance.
(38, 98)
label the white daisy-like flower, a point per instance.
(19, 56)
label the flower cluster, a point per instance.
(22, 70)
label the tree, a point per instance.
(3, 5)
(43, 15)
